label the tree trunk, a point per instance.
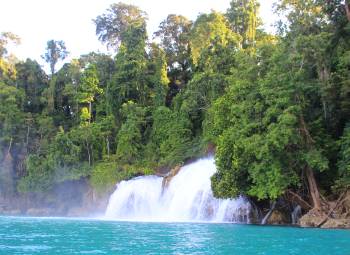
(296, 198)
(9, 149)
(27, 137)
(88, 151)
(90, 108)
(107, 143)
(347, 9)
(313, 188)
(92, 155)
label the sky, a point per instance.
(37, 21)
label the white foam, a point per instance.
(188, 198)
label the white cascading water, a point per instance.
(188, 197)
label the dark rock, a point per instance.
(278, 218)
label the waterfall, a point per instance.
(267, 216)
(188, 197)
(296, 214)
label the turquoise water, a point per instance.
(73, 236)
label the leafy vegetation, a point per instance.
(275, 107)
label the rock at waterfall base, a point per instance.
(278, 218)
(337, 223)
(314, 219)
(173, 172)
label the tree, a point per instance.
(89, 88)
(344, 161)
(12, 136)
(6, 38)
(206, 29)
(124, 28)
(115, 26)
(174, 36)
(105, 67)
(39, 177)
(267, 136)
(210, 80)
(338, 10)
(33, 80)
(104, 64)
(157, 77)
(129, 138)
(7, 65)
(249, 153)
(171, 137)
(55, 51)
(244, 19)
(62, 94)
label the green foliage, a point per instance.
(244, 19)
(209, 27)
(344, 161)
(158, 79)
(55, 51)
(11, 116)
(39, 176)
(258, 126)
(174, 35)
(274, 106)
(89, 85)
(253, 129)
(129, 136)
(106, 174)
(170, 141)
(130, 80)
(88, 90)
(120, 23)
(5, 39)
(33, 80)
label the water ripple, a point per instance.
(69, 236)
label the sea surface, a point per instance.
(24, 235)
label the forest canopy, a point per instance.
(276, 107)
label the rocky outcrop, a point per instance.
(42, 212)
(312, 219)
(277, 212)
(78, 212)
(170, 175)
(278, 217)
(72, 199)
(10, 212)
(343, 210)
(337, 215)
(337, 223)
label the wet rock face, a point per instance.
(170, 175)
(275, 212)
(278, 217)
(40, 212)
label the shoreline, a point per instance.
(101, 218)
